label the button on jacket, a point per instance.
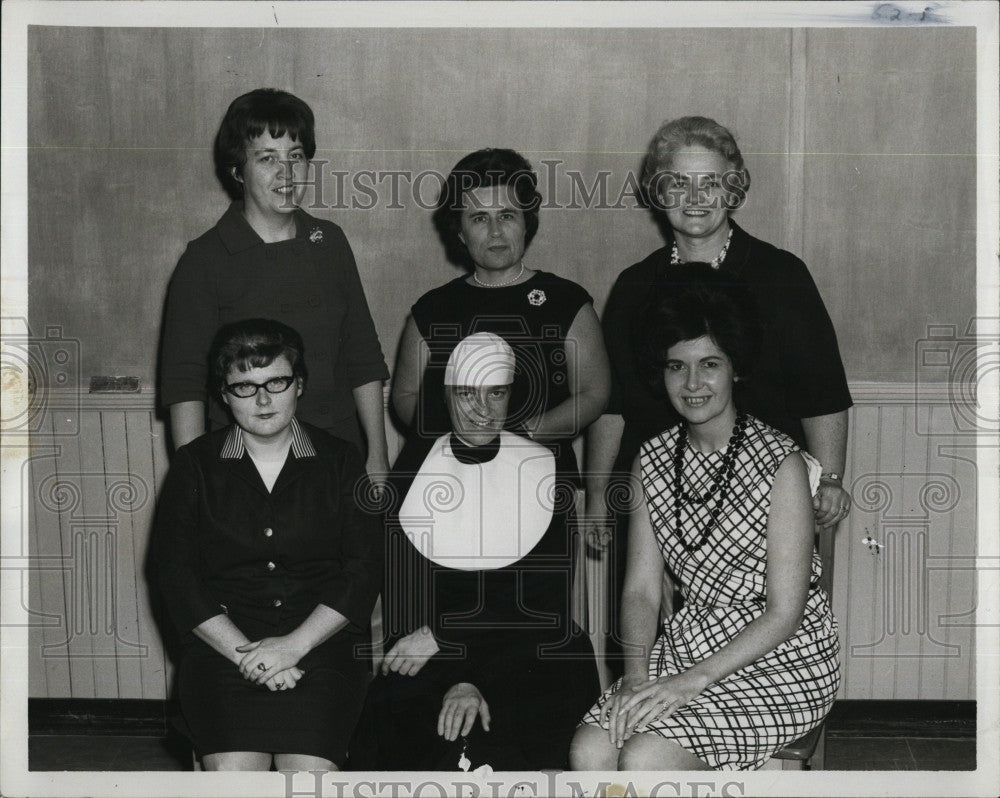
(222, 543)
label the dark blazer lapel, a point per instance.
(292, 471)
(246, 471)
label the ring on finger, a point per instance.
(261, 666)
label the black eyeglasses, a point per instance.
(244, 390)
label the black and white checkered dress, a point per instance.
(741, 721)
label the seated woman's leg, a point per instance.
(302, 762)
(237, 760)
(591, 749)
(652, 752)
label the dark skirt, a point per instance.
(225, 712)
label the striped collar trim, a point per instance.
(234, 449)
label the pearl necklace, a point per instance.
(715, 263)
(511, 281)
(719, 488)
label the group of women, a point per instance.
(714, 396)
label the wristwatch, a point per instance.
(832, 477)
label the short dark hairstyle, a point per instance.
(247, 117)
(676, 134)
(487, 168)
(698, 301)
(254, 344)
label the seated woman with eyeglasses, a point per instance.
(269, 567)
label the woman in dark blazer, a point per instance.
(695, 178)
(269, 568)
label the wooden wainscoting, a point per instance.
(905, 563)
(904, 585)
(95, 468)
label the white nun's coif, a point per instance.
(480, 360)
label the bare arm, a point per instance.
(589, 380)
(371, 412)
(222, 635)
(826, 440)
(187, 422)
(641, 594)
(603, 439)
(410, 364)
(640, 613)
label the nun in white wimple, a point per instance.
(483, 664)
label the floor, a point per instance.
(105, 752)
(899, 753)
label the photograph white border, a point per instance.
(16, 780)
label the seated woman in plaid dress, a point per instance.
(751, 660)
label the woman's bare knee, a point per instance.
(237, 760)
(591, 749)
(652, 752)
(302, 762)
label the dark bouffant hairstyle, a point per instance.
(254, 344)
(697, 301)
(247, 117)
(487, 168)
(676, 134)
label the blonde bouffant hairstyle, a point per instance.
(676, 134)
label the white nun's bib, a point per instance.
(480, 516)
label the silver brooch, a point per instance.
(536, 297)
(315, 235)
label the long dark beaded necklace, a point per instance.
(719, 488)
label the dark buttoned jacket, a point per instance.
(223, 543)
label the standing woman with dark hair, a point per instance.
(488, 214)
(268, 257)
